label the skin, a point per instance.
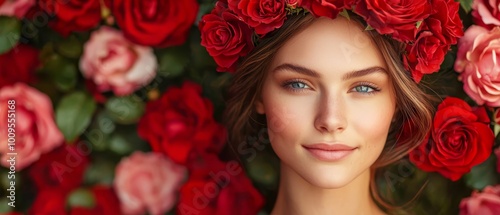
(327, 107)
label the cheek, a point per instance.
(285, 115)
(373, 123)
(282, 120)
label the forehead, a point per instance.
(331, 45)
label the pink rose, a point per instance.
(486, 13)
(476, 62)
(484, 203)
(147, 182)
(114, 63)
(27, 116)
(17, 8)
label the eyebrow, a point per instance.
(312, 73)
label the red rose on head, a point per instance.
(445, 22)
(72, 15)
(425, 56)
(460, 138)
(262, 15)
(180, 123)
(327, 8)
(398, 18)
(18, 65)
(158, 23)
(225, 37)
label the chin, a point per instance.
(329, 181)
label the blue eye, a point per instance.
(295, 85)
(298, 85)
(365, 89)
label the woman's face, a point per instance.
(329, 103)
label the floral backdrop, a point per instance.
(115, 107)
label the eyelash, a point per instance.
(287, 85)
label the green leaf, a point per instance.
(345, 14)
(483, 174)
(418, 24)
(99, 131)
(73, 114)
(173, 61)
(126, 141)
(100, 171)
(125, 110)
(261, 170)
(205, 8)
(62, 72)
(200, 57)
(81, 198)
(369, 28)
(466, 5)
(70, 47)
(10, 32)
(448, 62)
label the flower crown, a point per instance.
(427, 27)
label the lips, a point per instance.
(327, 147)
(330, 153)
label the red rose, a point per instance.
(445, 21)
(72, 15)
(49, 201)
(460, 138)
(14, 213)
(262, 15)
(328, 8)
(159, 23)
(398, 18)
(425, 56)
(94, 91)
(293, 3)
(106, 203)
(180, 123)
(62, 168)
(18, 65)
(219, 188)
(225, 37)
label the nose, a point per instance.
(331, 115)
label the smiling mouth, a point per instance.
(330, 153)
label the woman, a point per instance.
(333, 97)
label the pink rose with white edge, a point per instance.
(27, 120)
(116, 64)
(478, 64)
(17, 8)
(148, 182)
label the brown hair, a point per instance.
(413, 104)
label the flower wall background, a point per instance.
(114, 107)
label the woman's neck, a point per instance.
(298, 197)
